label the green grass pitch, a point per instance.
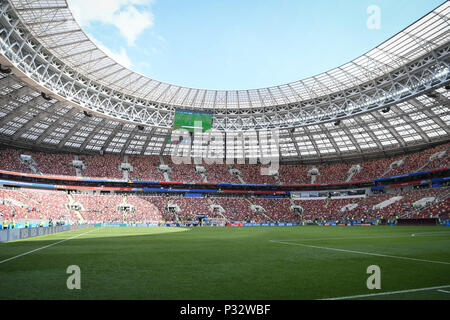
(229, 263)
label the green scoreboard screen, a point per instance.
(192, 121)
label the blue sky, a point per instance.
(240, 44)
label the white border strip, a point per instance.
(444, 291)
(368, 237)
(388, 293)
(47, 246)
(430, 233)
(360, 252)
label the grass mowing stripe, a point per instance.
(360, 252)
(47, 246)
(388, 293)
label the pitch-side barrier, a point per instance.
(24, 233)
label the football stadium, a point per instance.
(117, 186)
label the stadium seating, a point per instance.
(9, 160)
(146, 168)
(252, 174)
(294, 174)
(184, 173)
(337, 172)
(106, 166)
(219, 173)
(37, 204)
(278, 210)
(236, 209)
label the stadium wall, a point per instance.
(17, 234)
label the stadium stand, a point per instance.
(106, 166)
(219, 173)
(9, 160)
(39, 204)
(35, 204)
(147, 168)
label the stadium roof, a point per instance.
(53, 25)
(392, 99)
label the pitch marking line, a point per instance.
(47, 246)
(430, 233)
(367, 237)
(360, 252)
(341, 238)
(389, 293)
(444, 291)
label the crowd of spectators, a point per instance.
(336, 172)
(191, 207)
(105, 208)
(323, 209)
(439, 209)
(184, 173)
(405, 207)
(252, 174)
(217, 173)
(39, 204)
(147, 168)
(278, 210)
(294, 174)
(145, 211)
(55, 164)
(236, 209)
(9, 160)
(100, 208)
(105, 166)
(373, 169)
(443, 162)
(35, 204)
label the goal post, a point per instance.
(217, 222)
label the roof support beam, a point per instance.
(308, 133)
(429, 112)
(54, 125)
(147, 141)
(91, 135)
(295, 143)
(330, 137)
(362, 124)
(389, 127)
(42, 115)
(412, 123)
(112, 136)
(17, 112)
(130, 138)
(352, 138)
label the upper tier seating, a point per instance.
(147, 168)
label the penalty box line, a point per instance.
(359, 252)
(367, 237)
(390, 293)
(47, 246)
